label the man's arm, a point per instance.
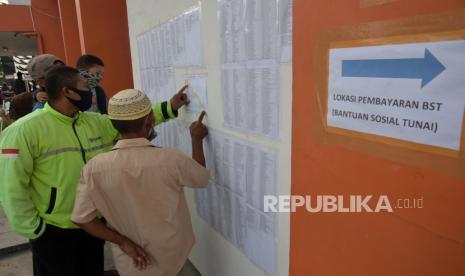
(168, 110)
(198, 132)
(192, 171)
(16, 167)
(98, 229)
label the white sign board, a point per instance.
(412, 92)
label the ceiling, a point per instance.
(17, 2)
(16, 44)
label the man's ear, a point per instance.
(149, 122)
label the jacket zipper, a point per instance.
(83, 152)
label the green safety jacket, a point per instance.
(42, 155)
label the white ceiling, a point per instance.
(18, 2)
(16, 44)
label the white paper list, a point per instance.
(251, 98)
(285, 29)
(262, 36)
(250, 56)
(193, 38)
(233, 26)
(196, 92)
(176, 43)
(233, 202)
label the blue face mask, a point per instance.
(86, 99)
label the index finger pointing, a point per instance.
(181, 91)
(201, 116)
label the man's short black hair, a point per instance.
(131, 126)
(59, 77)
(86, 61)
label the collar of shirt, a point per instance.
(131, 143)
(60, 116)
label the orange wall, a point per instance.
(41, 18)
(428, 241)
(68, 29)
(9, 15)
(46, 22)
(104, 31)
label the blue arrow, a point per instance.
(426, 68)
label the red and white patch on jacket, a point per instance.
(10, 153)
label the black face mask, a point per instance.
(86, 99)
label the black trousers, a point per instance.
(67, 252)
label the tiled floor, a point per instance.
(18, 264)
(7, 238)
(13, 262)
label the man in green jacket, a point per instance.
(41, 159)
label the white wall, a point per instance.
(212, 254)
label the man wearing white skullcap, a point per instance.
(139, 189)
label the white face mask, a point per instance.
(93, 80)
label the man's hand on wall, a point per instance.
(180, 99)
